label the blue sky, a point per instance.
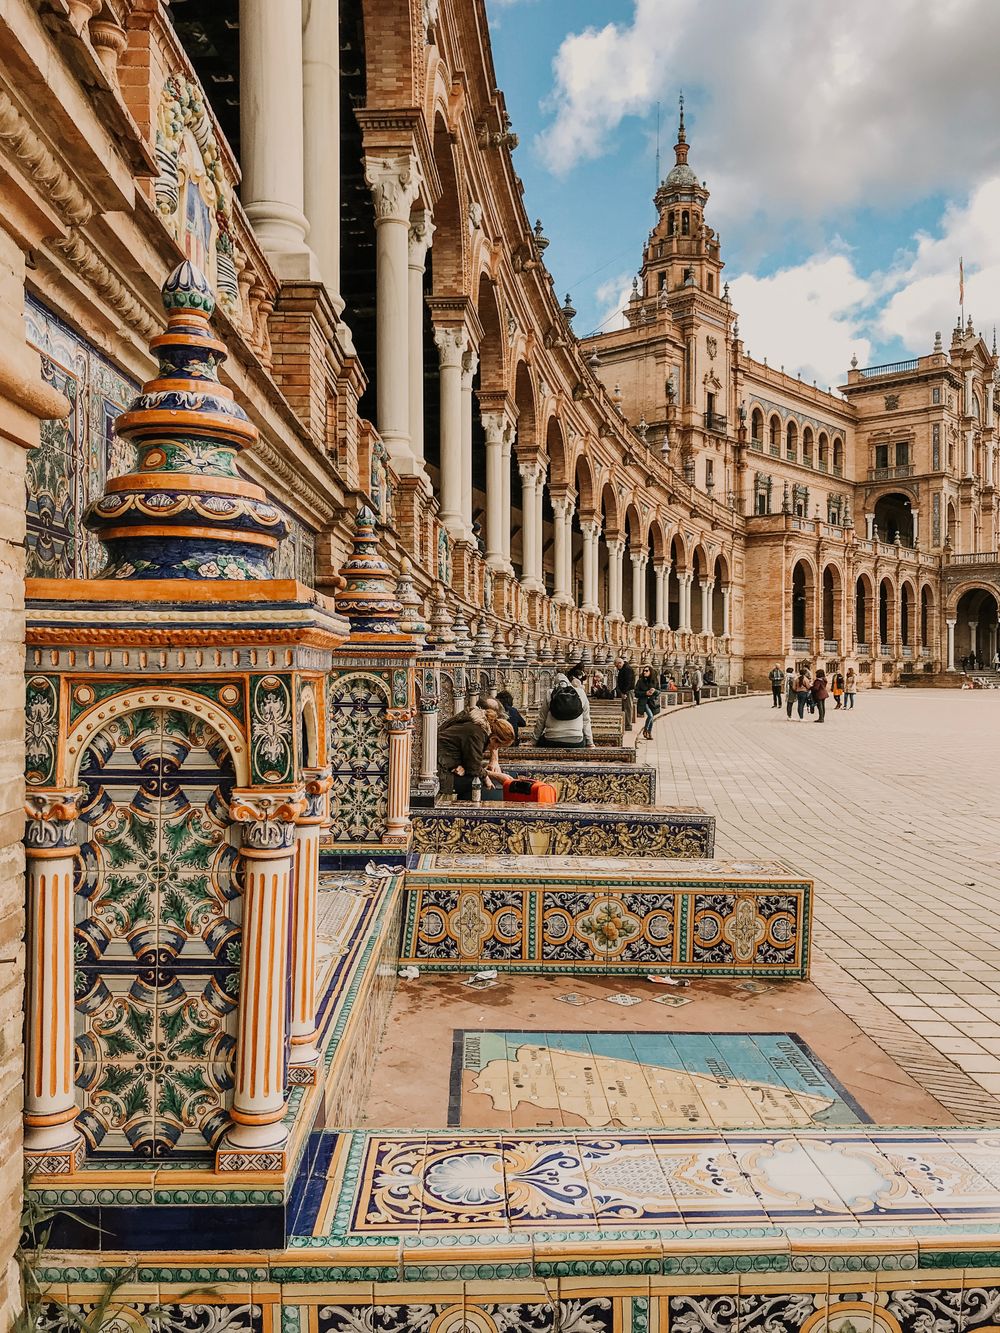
(853, 154)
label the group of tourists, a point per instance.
(799, 690)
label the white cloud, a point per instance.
(802, 108)
(808, 317)
(611, 298)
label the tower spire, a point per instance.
(681, 146)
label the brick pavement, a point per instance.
(892, 809)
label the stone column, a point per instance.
(495, 425)
(870, 525)
(508, 445)
(531, 537)
(916, 525)
(256, 1138)
(394, 183)
(616, 553)
(726, 592)
(451, 345)
(639, 561)
(420, 236)
(660, 610)
(428, 784)
(951, 644)
(399, 724)
(304, 1056)
(562, 508)
(52, 1143)
(591, 536)
(470, 364)
(684, 582)
(707, 588)
(321, 127)
(272, 151)
(974, 637)
(539, 570)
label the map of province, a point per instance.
(643, 1079)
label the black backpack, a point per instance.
(565, 703)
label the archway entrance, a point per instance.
(894, 518)
(976, 629)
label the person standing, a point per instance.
(624, 685)
(820, 692)
(802, 693)
(777, 678)
(647, 690)
(697, 680)
(789, 691)
(837, 689)
(850, 688)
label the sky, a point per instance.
(852, 152)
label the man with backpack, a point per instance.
(777, 678)
(624, 685)
(566, 719)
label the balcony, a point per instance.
(801, 646)
(976, 558)
(907, 651)
(823, 465)
(757, 442)
(831, 647)
(838, 471)
(891, 368)
(864, 649)
(775, 450)
(890, 473)
(885, 650)
(715, 423)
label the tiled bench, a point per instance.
(498, 828)
(597, 754)
(591, 783)
(545, 914)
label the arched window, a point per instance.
(829, 605)
(671, 223)
(824, 451)
(861, 612)
(838, 457)
(774, 434)
(800, 601)
(685, 223)
(905, 612)
(807, 446)
(710, 282)
(757, 428)
(925, 616)
(792, 442)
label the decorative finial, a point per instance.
(411, 618)
(367, 600)
(939, 345)
(184, 511)
(568, 309)
(594, 360)
(854, 361)
(635, 289)
(463, 639)
(541, 240)
(681, 135)
(440, 635)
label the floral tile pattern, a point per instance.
(359, 743)
(590, 783)
(157, 936)
(564, 830)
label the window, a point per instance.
(800, 496)
(710, 282)
(881, 455)
(710, 404)
(709, 473)
(761, 494)
(935, 395)
(902, 453)
(936, 448)
(661, 282)
(670, 224)
(685, 223)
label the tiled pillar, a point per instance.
(950, 624)
(400, 727)
(304, 1057)
(428, 785)
(256, 1138)
(52, 1143)
(591, 536)
(395, 183)
(639, 562)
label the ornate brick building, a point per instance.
(387, 355)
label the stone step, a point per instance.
(601, 915)
(507, 828)
(591, 783)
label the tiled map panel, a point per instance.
(509, 829)
(538, 914)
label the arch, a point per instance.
(886, 614)
(635, 529)
(803, 598)
(926, 612)
(658, 539)
(792, 441)
(721, 570)
(976, 630)
(831, 609)
(823, 451)
(98, 716)
(863, 590)
(524, 401)
(807, 445)
(774, 432)
(583, 478)
(612, 524)
(838, 456)
(907, 605)
(449, 257)
(310, 737)
(757, 427)
(493, 345)
(555, 447)
(894, 518)
(952, 529)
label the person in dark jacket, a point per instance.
(647, 696)
(624, 685)
(514, 717)
(820, 692)
(462, 750)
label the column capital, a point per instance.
(707, 584)
(50, 817)
(267, 816)
(952, 622)
(421, 238)
(616, 546)
(563, 505)
(470, 364)
(451, 341)
(639, 559)
(318, 782)
(531, 473)
(591, 528)
(495, 426)
(395, 183)
(398, 721)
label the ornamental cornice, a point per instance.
(265, 452)
(28, 149)
(85, 262)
